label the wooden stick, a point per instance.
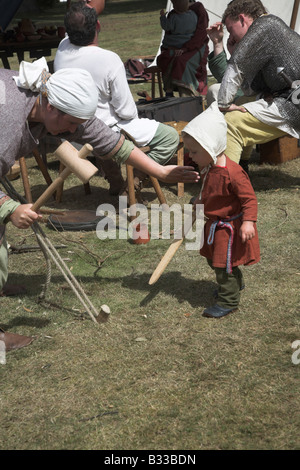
(83, 153)
(168, 256)
(158, 190)
(131, 190)
(47, 211)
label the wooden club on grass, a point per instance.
(169, 255)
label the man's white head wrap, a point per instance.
(72, 91)
(209, 129)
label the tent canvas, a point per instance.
(281, 8)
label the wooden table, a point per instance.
(36, 49)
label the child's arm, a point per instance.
(164, 23)
(243, 189)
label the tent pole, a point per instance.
(294, 14)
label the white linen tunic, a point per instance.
(116, 106)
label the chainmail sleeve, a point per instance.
(268, 44)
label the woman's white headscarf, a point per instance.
(209, 129)
(70, 90)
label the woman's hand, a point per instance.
(167, 173)
(179, 174)
(23, 216)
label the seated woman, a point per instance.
(184, 68)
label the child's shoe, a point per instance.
(217, 312)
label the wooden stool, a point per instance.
(42, 166)
(59, 192)
(24, 173)
(156, 75)
(279, 150)
(155, 70)
(179, 125)
(131, 187)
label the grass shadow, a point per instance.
(266, 177)
(19, 320)
(195, 292)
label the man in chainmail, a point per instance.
(264, 43)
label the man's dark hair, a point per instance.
(80, 22)
(252, 8)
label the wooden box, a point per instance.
(280, 150)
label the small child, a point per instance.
(230, 205)
(179, 24)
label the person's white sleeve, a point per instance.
(122, 100)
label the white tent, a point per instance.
(287, 10)
(282, 8)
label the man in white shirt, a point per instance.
(116, 106)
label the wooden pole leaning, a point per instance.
(72, 159)
(169, 255)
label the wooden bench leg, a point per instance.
(180, 162)
(24, 174)
(59, 191)
(131, 190)
(158, 190)
(160, 87)
(42, 166)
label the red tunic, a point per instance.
(227, 192)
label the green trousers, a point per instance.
(229, 286)
(164, 144)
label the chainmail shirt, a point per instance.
(269, 43)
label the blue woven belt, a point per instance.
(211, 236)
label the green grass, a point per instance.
(126, 27)
(157, 375)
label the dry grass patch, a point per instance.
(158, 375)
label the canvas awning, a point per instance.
(287, 10)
